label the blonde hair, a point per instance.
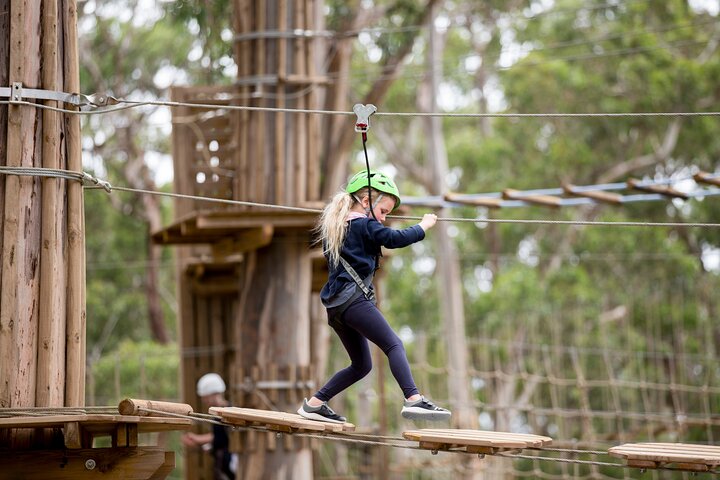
(332, 227)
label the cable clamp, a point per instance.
(16, 93)
(363, 113)
(87, 178)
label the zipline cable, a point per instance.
(85, 177)
(213, 106)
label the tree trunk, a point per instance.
(341, 142)
(449, 279)
(274, 329)
(138, 175)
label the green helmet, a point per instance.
(378, 180)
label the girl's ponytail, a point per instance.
(332, 225)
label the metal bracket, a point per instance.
(16, 93)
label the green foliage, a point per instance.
(136, 370)
(116, 251)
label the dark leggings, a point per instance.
(362, 321)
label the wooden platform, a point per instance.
(474, 441)
(276, 421)
(79, 430)
(684, 456)
(77, 459)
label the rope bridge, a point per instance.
(144, 415)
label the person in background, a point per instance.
(211, 390)
(352, 232)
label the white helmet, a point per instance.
(210, 383)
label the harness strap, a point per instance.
(369, 294)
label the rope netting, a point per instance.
(587, 384)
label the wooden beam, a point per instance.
(661, 189)
(245, 221)
(600, 196)
(40, 421)
(166, 468)
(130, 463)
(73, 435)
(477, 201)
(245, 241)
(546, 200)
(707, 178)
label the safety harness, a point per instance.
(367, 292)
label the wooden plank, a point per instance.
(37, 422)
(268, 417)
(137, 463)
(532, 438)
(464, 437)
(664, 447)
(97, 419)
(707, 178)
(465, 440)
(546, 200)
(477, 202)
(676, 447)
(661, 189)
(601, 196)
(703, 454)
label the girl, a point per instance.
(352, 232)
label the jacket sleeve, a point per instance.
(391, 238)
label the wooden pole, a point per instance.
(313, 18)
(18, 318)
(298, 129)
(50, 389)
(243, 20)
(258, 120)
(75, 328)
(280, 139)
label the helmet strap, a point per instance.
(375, 204)
(369, 210)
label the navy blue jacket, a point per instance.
(361, 249)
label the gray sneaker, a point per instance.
(322, 413)
(424, 409)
